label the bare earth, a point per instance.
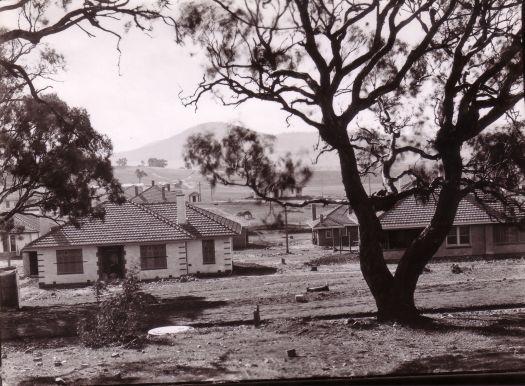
(466, 335)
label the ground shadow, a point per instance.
(504, 325)
(249, 269)
(486, 359)
(168, 310)
(61, 321)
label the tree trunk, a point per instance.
(420, 252)
(373, 265)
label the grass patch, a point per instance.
(331, 259)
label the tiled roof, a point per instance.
(412, 213)
(154, 194)
(201, 222)
(132, 223)
(31, 224)
(340, 216)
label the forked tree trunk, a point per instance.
(394, 295)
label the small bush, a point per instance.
(118, 319)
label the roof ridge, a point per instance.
(214, 217)
(160, 217)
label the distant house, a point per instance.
(338, 228)
(160, 240)
(194, 197)
(474, 232)
(25, 229)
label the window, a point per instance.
(459, 235)
(328, 233)
(69, 261)
(12, 242)
(508, 234)
(208, 251)
(400, 238)
(153, 257)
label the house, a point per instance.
(159, 240)
(241, 240)
(25, 229)
(475, 231)
(338, 228)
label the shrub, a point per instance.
(118, 319)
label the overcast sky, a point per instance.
(142, 104)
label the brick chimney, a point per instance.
(181, 208)
(169, 187)
(152, 182)
(163, 194)
(314, 212)
(321, 218)
(136, 190)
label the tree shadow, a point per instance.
(486, 359)
(168, 310)
(252, 269)
(503, 326)
(61, 321)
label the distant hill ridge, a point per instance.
(300, 144)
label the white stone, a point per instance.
(168, 330)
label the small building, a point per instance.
(159, 240)
(338, 228)
(194, 197)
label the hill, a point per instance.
(300, 144)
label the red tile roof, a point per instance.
(132, 223)
(412, 213)
(340, 216)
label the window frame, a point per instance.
(208, 260)
(75, 267)
(153, 257)
(456, 232)
(329, 234)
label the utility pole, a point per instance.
(286, 228)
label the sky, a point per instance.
(139, 103)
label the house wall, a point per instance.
(337, 235)
(176, 261)
(223, 256)
(47, 267)
(241, 241)
(481, 244)
(177, 255)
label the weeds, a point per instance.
(118, 319)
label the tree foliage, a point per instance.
(122, 162)
(398, 88)
(52, 159)
(140, 174)
(157, 162)
(243, 158)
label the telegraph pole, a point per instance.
(286, 228)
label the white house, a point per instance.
(160, 240)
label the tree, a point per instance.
(53, 159)
(122, 162)
(426, 99)
(157, 162)
(38, 19)
(140, 174)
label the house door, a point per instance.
(111, 263)
(33, 264)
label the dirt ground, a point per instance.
(224, 346)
